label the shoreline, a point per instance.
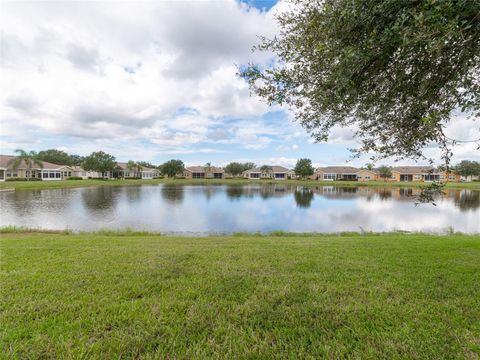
(21, 230)
(64, 184)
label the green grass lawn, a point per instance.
(35, 185)
(258, 297)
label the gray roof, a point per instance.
(6, 160)
(275, 169)
(413, 170)
(123, 166)
(338, 170)
(213, 169)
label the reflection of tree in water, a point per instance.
(303, 197)
(234, 191)
(467, 200)
(210, 191)
(98, 198)
(384, 194)
(133, 193)
(173, 194)
(28, 202)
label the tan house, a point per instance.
(276, 173)
(46, 172)
(422, 173)
(78, 171)
(368, 175)
(143, 172)
(335, 173)
(203, 172)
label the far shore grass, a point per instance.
(35, 185)
(143, 296)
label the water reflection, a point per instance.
(173, 194)
(232, 208)
(99, 198)
(303, 197)
(467, 200)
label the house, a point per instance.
(143, 172)
(422, 173)
(78, 171)
(368, 175)
(335, 173)
(203, 172)
(275, 172)
(470, 178)
(46, 172)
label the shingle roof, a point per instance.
(202, 169)
(413, 170)
(275, 169)
(5, 162)
(124, 166)
(338, 170)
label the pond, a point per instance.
(205, 209)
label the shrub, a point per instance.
(75, 178)
(16, 179)
(132, 178)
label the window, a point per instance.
(254, 175)
(217, 175)
(279, 176)
(328, 176)
(198, 175)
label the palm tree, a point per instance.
(30, 158)
(266, 169)
(134, 166)
(208, 167)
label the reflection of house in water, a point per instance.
(336, 192)
(467, 199)
(99, 198)
(173, 194)
(210, 191)
(265, 191)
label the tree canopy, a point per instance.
(385, 172)
(236, 168)
(392, 70)
(304, 168)
(172, 168)
(468, 168)
(59, 157)
(99, 161)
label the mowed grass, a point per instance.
(255, 297)
(61, 184)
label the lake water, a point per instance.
(249, 208)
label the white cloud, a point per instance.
(122, 70)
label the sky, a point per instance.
(155, 80)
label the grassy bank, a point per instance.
(35, 185)
(146, 296)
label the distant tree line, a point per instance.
(101, 161)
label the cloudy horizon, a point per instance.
(153, 81)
